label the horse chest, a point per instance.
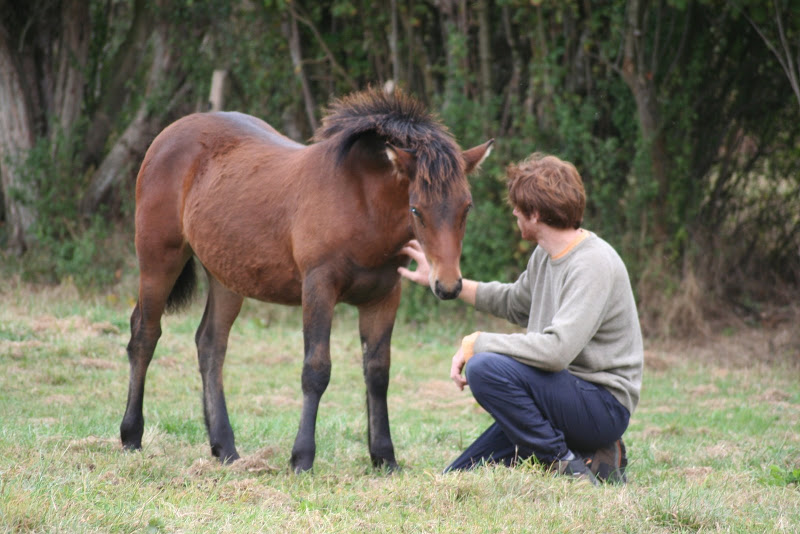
(370, 284)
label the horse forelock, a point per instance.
(404, 122)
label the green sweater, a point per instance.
(579, 313)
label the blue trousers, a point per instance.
(537, 413)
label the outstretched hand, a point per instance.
(414, 251)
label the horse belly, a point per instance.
(248, 251)
(271, 280)
(269, 284)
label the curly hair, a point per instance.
(549, 187)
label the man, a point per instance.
(564, 390)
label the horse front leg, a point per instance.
(319, 300)
(222, 308)
(376, 322)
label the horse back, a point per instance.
(219, 185)
(261, 211)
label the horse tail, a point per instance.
(183, 290)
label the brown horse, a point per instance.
(278, 221)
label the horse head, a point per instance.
(439, 201)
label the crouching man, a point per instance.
(563, 391)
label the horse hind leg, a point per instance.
(222, 308)
(140, 352)
(157, 290)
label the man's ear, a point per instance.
(475, 156)
(403, 161)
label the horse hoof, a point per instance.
(131, 444)
(228, 459)
(225, 456)
(390, 469)
(301, 465)
(384, 464)
(131, 447)
(130, 434)
(301, 468)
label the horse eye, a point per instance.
(418, 215)
(466, 212)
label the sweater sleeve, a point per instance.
(580, 307)
(508, 301)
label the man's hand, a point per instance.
(414, 251)
(456, 368)
(421, 276)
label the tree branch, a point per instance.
(293, 35)
(786, 63)
(394, 35)
(122, 67)
(133, 142)
(787, 50)
(335, 64)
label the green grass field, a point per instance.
(714, 445)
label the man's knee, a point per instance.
(481, 371)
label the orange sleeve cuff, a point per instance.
(468, 346)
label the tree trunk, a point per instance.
(293, 35)
(541, 90)
(69, 64)
(119, 162)
(418, 59)
(394, 37)
(122, 68)
(16, 139)
(639, 80)
(43, 54)
(485, 60)
(453, 80)
(511, 89)
(297, 17)
(219, 82)
(132, 144)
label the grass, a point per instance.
(714, 445)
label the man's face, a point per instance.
(527, 225)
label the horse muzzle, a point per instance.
(444, 292)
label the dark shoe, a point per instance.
(608, 464)
(576, 469)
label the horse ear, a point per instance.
(404, 162)
(475, 156)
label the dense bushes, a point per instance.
(678, 116)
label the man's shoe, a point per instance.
(576, 469)
(608, 464)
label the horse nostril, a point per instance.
(447, 294)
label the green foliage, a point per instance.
(492, 242)
(66, 246)
(723, 111)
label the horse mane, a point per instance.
(405, 123)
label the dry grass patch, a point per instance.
(264, 460)
(441, 394)
(713, 446)
(257, 492)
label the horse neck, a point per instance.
(383, 196)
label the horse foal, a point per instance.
(310, 225)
